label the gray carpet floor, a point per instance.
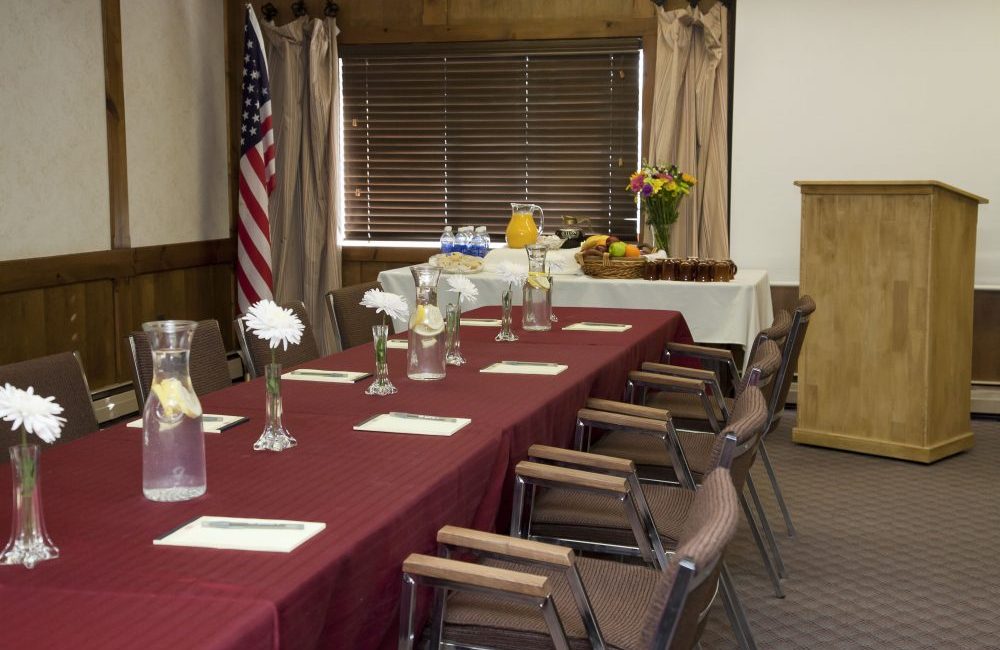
(889, 554)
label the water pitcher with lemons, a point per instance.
(427, 345)
(536, 299)
(173, 443)
(521, 229)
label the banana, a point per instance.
(594, 240)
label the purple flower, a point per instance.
(647, 190)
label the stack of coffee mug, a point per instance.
(691, 269)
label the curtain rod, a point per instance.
(299, 9)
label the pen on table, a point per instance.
(414, 416)
(320, 373)
(249, 525)
(603, 324)
(528, 363)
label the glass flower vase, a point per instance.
(506, 321)
(275, 436)
(381, 385)
(454, 320)
(29, 542)
(426, 346)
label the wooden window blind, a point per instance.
(452, 133)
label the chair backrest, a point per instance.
(777, 332)
(790, 358)
(352, 323)
(747, 422)
(679, 606)
(60, 376)
(208, 363)
(763, 368)
(257, 353)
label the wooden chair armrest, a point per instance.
(572, 477)
(700, 351)
(515, 547)
(583, 458)
(627, 409)
(478, 575)
(680, 371)
(666, 382)
(619, 420)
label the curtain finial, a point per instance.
(270, 12)
(331, 9)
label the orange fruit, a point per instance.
(632, 251)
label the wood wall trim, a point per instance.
(59, 270)
(516, 31)
(114, 99)
(380, 254)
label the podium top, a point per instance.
(825, 186)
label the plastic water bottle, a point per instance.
(477, 246)
(462, 241)
(481, 230)
(447, 241)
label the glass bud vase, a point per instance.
(454, 317)
(275, 437)
(426, 349)
(381, 385)
(506, 321)
(173, 441)
(536, 311)
(29, 542)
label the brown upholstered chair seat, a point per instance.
(685, 406)
(619, 593)
(644, 449)
(567, 514)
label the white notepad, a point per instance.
(241, 534)
(397, 344)
(331, 376)
(481, 322)
(210, 422)
(598, 327)
(422, 425)
(525, 368)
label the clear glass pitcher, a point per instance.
(173, 442)
(522, 230)
(427, 345)
(536, 311)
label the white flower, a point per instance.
(512, 273)
(274, 324)
(391, 304)
(463, 286)
(38, 415)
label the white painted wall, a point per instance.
(53, 149)
(855, 90)
(173, 58)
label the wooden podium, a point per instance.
(886, 365)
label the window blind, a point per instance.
(450, 134)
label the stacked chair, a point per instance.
(256, 352)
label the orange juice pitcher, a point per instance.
(522, 230)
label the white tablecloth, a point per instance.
(717, 312)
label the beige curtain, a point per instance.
(305, 204)
(689, 123)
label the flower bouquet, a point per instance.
(659, 190)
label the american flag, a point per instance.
(253, 248)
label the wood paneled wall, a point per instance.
(90, 301)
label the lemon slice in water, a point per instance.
(427, 321)
(538, 280)
(175, 398)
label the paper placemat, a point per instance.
(422, 425)
(397, 344)
(481, 322)
(525, 368)
(330, 376)
(598, 327)
(210, 422)
(241, 534)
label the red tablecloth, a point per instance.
(382, 496)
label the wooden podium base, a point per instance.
(888, 448)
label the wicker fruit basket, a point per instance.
(614, 268)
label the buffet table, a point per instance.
(381, 496)
(717, 312)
